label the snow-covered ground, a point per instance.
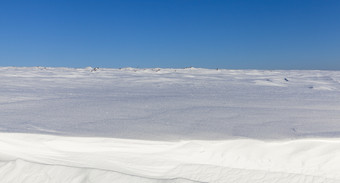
(169, 125)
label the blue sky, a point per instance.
(254, 34)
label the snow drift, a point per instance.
(169, 125)
(41, 158)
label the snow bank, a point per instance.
(41, 158)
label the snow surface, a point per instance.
(169, 125)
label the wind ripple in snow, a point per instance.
(23, 171)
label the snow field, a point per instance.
(170, 104)
(169, 125)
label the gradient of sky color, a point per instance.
(236, 34)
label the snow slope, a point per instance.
(169, 125)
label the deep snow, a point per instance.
(40, 158)
(169, 125)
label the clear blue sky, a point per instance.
(254, 34)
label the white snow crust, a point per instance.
(168, 125)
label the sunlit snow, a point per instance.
(169, 125)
